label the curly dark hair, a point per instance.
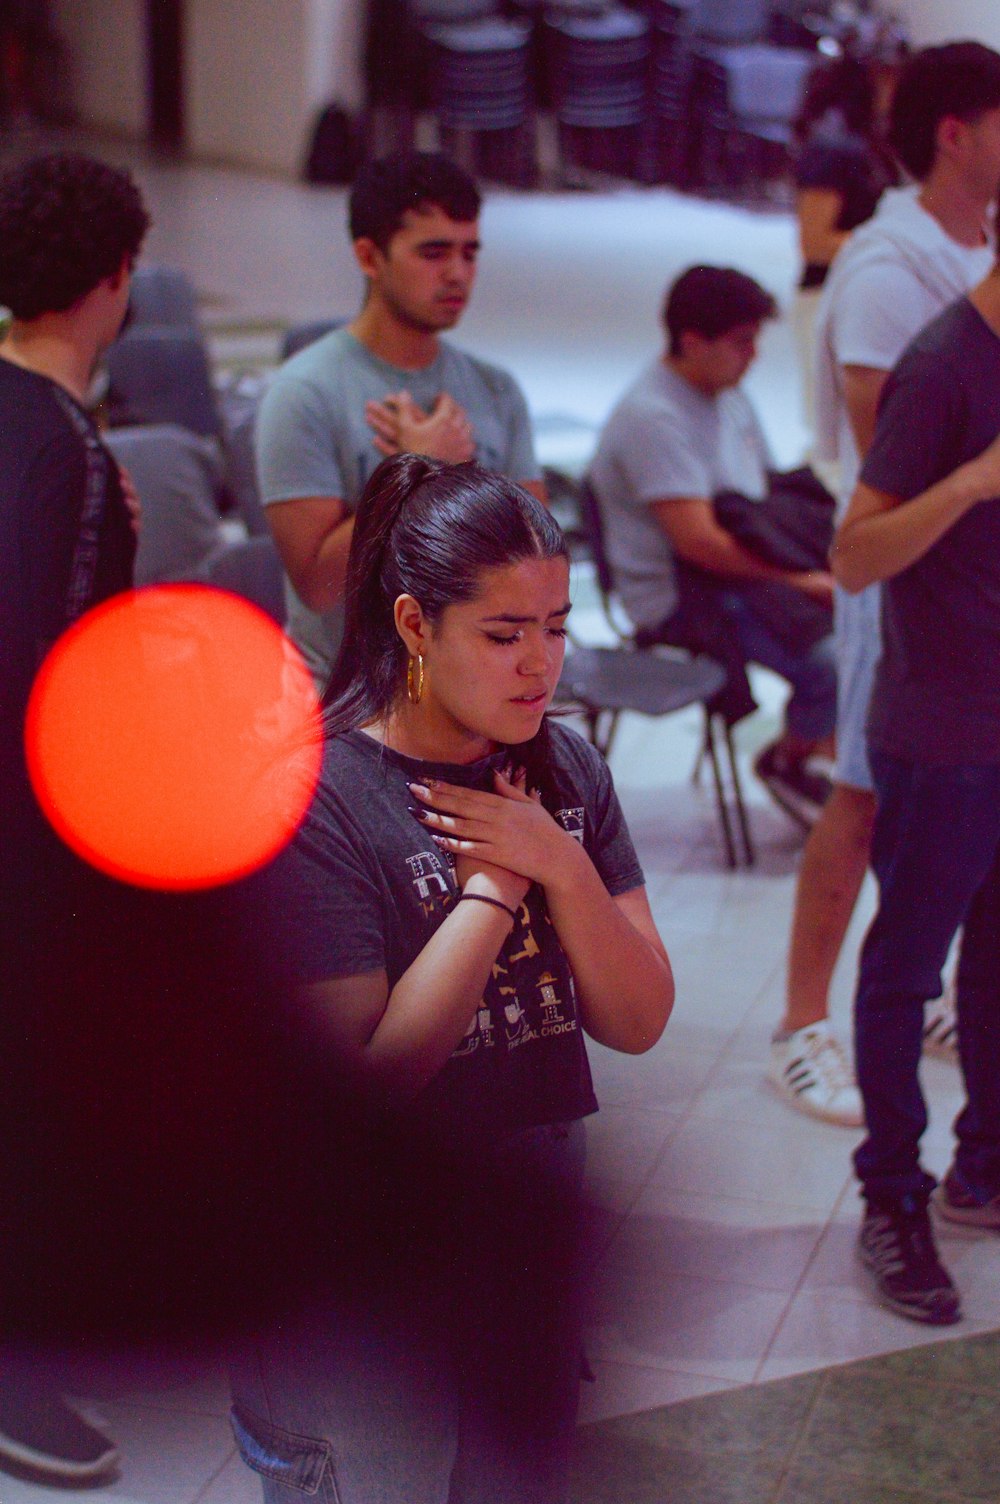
(67, 222)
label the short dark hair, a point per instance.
(960, 79)
(845, 84)
(67, 222)
(384, 191)
(711, 300)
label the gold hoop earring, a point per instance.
(415, 679)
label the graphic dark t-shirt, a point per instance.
(363, 887)
(937, 691)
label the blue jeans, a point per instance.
(415, 1399)
(936, 854)
(811, 711)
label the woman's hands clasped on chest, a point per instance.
(509, 828)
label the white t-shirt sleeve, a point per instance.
(877, 314)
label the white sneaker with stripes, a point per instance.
(810, 1070)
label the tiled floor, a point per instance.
(909, 1428)
(723, 1224)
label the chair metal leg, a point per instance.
(749, 853)
(603, 745)
(709, 750)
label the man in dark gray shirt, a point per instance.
(925, 518)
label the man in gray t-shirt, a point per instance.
(682, 435)
(385, 384)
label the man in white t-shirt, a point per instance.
(683, 434)
(926, 245)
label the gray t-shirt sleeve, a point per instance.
(295, 441)
(659, 460)
(520, 464)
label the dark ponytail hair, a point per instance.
(426, 529)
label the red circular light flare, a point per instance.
(173, 737)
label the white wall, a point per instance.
(951, 20)
(256, 73)
(106, 52)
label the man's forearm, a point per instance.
(720, 554)
(880, 537)
(328, 572)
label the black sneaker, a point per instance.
(956, 1203)
(896, 1245)
(799, 791)
(43, 1438)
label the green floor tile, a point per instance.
(910, 1435)
(697, 1451)
(916, 1427)
(970, 1363)
(756, 1418)
(807, 1483)
(627, 1470)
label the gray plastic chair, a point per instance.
(603, 682)
(177, 477)
(252, 569)
(298, 336)
(162, 296)
(161, 375)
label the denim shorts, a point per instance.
(857, 626)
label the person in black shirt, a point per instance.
(925, 519)
(461, 903)
(70, 229)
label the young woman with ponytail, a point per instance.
(462, 902)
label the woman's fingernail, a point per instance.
(420, 789)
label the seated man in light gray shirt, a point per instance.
(384, 384)
(681, 435)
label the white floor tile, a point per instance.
(167, 1458)
(821, 1329)
(234, 1484)
(624, 1388)
(624, 1143)
(649, 1314)
(740, 1091)
(761, 1244)
(794, 1164)
(666, 1079)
